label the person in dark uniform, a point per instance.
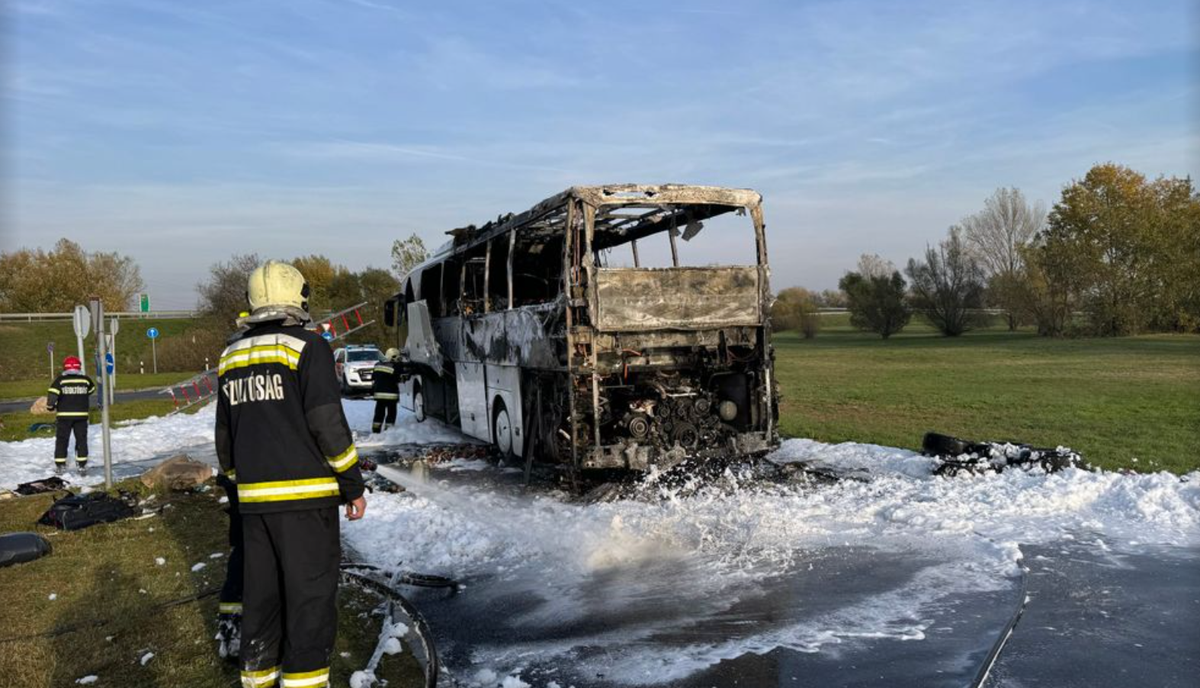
(282, 436)
(69, 398)
(385, 388)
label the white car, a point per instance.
(355, 365)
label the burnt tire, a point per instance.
(935, 444)
(419, 404)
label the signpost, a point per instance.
(152, 333)
(50, 350)
(144, 303)
(82, 320)
(114, 326)
(105, 430)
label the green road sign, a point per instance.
(145, 303)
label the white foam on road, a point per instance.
(690, 555)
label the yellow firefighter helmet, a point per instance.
(277, 285)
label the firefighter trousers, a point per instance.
(289, 600)
(65, 427)
(231, 591)
(385, 413)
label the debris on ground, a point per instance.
(75, 512)
(965, 456)
(178, 473)
(40, 407)
(51, 484)
(18, 548)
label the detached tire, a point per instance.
(502, 431)
(936, 444)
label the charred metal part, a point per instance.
(593, 366)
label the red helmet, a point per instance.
(72, 363)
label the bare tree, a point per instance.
(871, 265)
(948, 285)
(223, 295)
(407, 254)
(997, 237)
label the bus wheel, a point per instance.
(419, 405)
(502, 431)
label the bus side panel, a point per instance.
(472, 400)
(504, 383)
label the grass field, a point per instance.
(107, 575)
(1129, 402)
(24, 357)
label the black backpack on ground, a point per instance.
(18, 548)
(80, 511)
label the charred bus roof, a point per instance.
(664, 206)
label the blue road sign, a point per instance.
(109, 363)
(152, 333)
(50, 347)
(327, 335)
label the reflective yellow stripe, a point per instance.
(383, 369)
(386, 395)
(306, 679)
(53, 391)
(63, 414)
(230, 608)
(260, 679)
(259, 354)
(284, 490)
(345, 460)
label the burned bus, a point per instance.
(576, 333)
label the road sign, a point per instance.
(144, 302)
(109, 363)
(82, 320)
(50, 347)
(152, 333)
(327, 335)
(113, 326)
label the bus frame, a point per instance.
(521, 336)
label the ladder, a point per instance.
(197, 389)
(337, 325)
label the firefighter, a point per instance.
(282, 436)
(69, 398)
(385, 387)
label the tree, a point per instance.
(997, 237)
(831, 298)
(872, 265)
(223, 294)
(796, 309)
(1127, 243)
(408, 254)
(876, 303)
(948, 285)
(55, 281)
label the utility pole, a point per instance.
(105, 431)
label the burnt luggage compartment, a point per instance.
(551, 334)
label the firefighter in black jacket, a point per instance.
(385, 387)
(282, 436)
(69, 398)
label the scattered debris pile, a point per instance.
(177, 473)
(958, 456)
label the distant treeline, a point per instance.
(1118, 254)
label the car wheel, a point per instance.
(419, 405)
(502, 433)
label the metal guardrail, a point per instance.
(120, 315)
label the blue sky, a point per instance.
(182, 132)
